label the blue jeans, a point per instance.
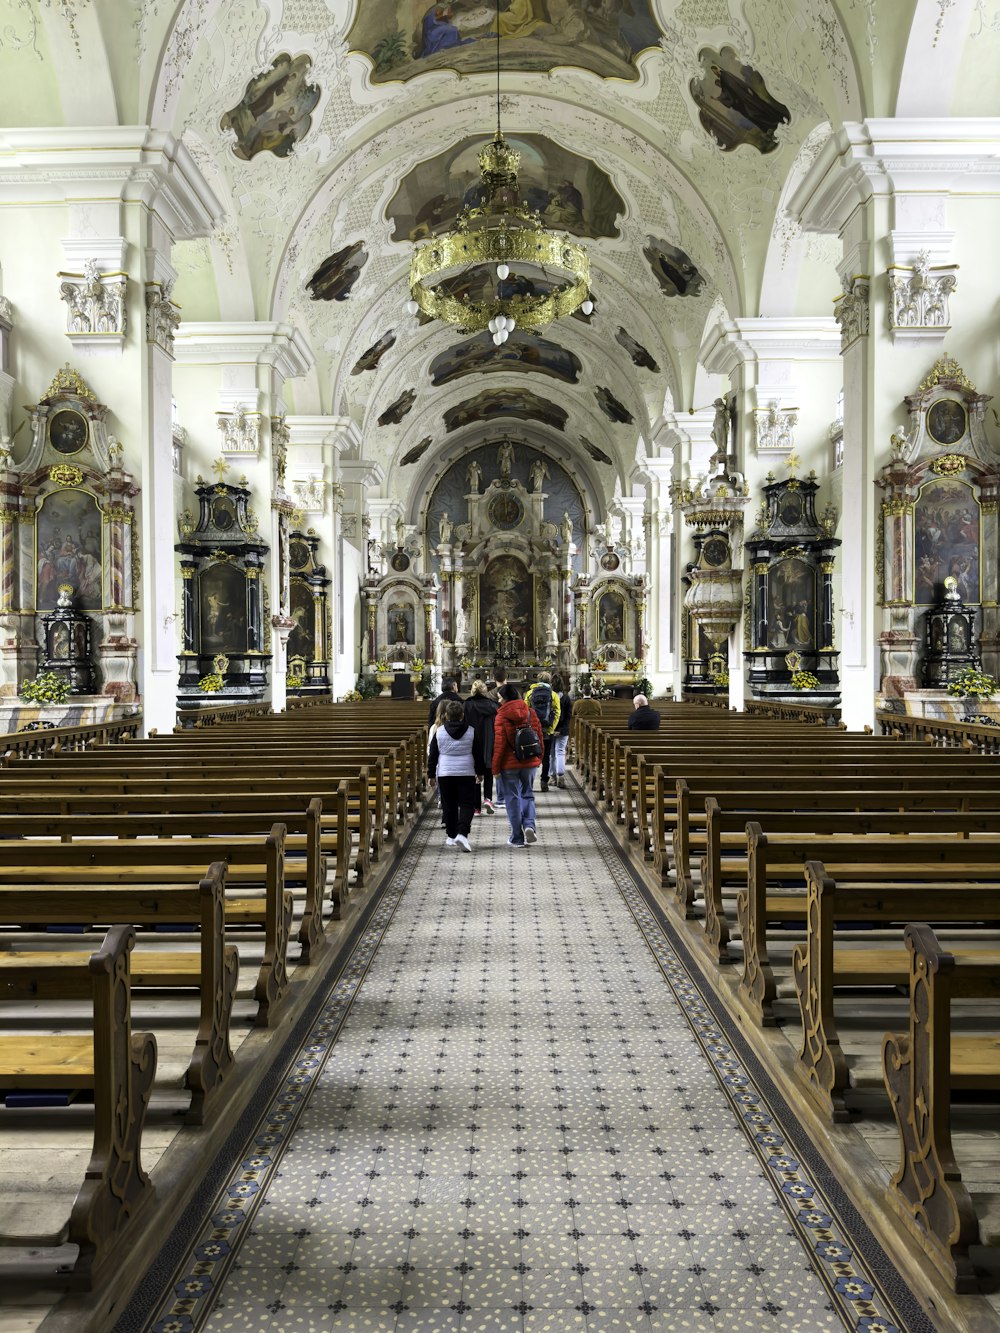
(516, 788)
(559, 743)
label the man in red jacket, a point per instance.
(515, 778)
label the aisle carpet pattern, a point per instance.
(518, 1111)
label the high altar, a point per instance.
(504, 567)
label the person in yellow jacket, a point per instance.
(545, 701)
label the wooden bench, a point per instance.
(885, 811)
(144, 870)
(827, 962)
(117, 1066)
(213, 968)
(881, 863)
(922, 1068)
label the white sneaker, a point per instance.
(489, 807)
(463, 842)
(450, 842)
(530, 836)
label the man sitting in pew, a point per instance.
(643, 717)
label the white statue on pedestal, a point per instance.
(538, 475)
(505, 457)
(474, 476)
(552, 628)
(444, 529)
(461, 627)
(567, 528)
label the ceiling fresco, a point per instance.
(569, 192)
(275, 111)
(404, 38)
(523, 351)
(734, 104)
(493, 404)
(660, 133)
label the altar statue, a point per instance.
(567, 528)
(552, 626)
(538, 475)
(505, 457)
(400, 533)
(720, 430)
(461, 626)
(444, 529)
(474, 476)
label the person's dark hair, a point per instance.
(454, 712)
(500, 675)
(449, 686)
(509, 692)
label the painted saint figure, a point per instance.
(440, 32)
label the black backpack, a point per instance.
(541, 702)
(526, 743)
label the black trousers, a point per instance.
(547, 756)
(458, 801)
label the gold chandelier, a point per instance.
(499, 231)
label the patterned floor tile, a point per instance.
(516, 1112)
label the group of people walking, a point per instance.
(497, 738)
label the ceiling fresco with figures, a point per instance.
(662, 134)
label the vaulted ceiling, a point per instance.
(665, 133)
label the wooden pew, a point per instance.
(876, 811)
(145, 870)
(118, 1066)
(928, 790)
(206, 792)
(922, 1068)
(878, 862)
(827, 962)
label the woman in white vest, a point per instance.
(456, 761)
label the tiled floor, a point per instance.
(517, 1113)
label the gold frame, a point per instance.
(74, 411)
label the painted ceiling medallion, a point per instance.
(404, 38)
(369, 360)
(493, 403)
(612, 408)
(640, 357)
(396, 411)
(672, 268)
(275, 111)
(415, 454)
(338, 273)
(524, 352)
(567, 191)
(598, 455)
(734, 105)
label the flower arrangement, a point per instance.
(804, 680)
(633, 664)
(465, 663)
(381, 664)
(642, 685)
(48, 687)
(294, 682)
(418, 664)
(720, 679)
(973, 683)
(600, 689)
(212, 683)
(598, 664)
(351, 697)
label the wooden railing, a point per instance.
(822, 716)
(213, 717)
(60, 740)
(980, 737)
(707, 700)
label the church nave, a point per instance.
(517, 1111)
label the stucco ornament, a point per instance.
(95, 306)
(919, 300)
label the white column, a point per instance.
(890, 189)
(246, 364)
(664, 589)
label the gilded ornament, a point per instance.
(946, 368)
(898, 506)
(826, 567)
(9, 515)
(252, 572)
(65, 474)
(28, 515)
(948, 465)
(187, 572)
(67, 381)
(988, 506)
(761, 568)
